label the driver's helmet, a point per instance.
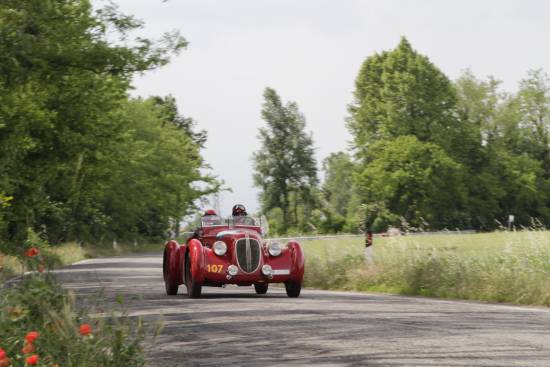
(210, 212)
(238, 210)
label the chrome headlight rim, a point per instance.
(274, 249)
(267, 270)
(219, 248)
(232, 270)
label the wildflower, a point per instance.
(85, 329)
(32, 360)
(32, 336)
(28, 348)
(2, 354)
(32, 252)
(5, 362)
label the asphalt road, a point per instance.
(235, 327)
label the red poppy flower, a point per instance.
(32, 360)
(32, 252)
(32, 336)
(2, 353)
(28, 348)
(85, 329)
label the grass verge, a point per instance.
(511, 267)
(71, 252)
(41, 325)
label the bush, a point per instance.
(40, 325)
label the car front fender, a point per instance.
(297, 259)
(196, 260)
(173, 269)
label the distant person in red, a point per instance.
(210, 217)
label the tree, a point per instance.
(534, 107)
(408, 140)
(479, 105)
(337, 189)
(398, 93)
(285, 166)
(415, 180)
(169, 112)
(65, 131)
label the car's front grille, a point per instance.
(248, 254)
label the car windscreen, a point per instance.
(241, 221)
(212, 220)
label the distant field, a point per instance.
(500, 266)
(467, 244)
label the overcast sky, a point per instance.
(310, 51)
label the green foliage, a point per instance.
(401, 93)
(78, 158)
(285, 168)
(415, 179)
(38, 304)
(337, 190)
(437, 154)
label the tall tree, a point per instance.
(416, 180)
(398, 93)
(285, 166)
(65, 71)
(337, 189)
(534, 107)
(407, 138)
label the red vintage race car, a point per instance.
(232, 251)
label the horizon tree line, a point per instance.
(427, 153)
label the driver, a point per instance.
(239, 214)
(239, 210)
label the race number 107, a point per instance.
(214, 268)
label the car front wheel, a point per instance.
(171, 289)
(293, 288)
(261, 288)
(193, 288)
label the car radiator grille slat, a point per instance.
(248, 254)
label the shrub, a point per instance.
(40, 325)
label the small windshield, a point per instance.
(216, 220)
(212, 220)
(245, 220)
(242, 220)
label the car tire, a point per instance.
(171, 289)
(261, 288)
(293, 288)
(193, 288)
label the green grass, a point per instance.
(501, 266)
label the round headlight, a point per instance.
(266, 270)
(232, 270)
(274, 248)
(220, 248)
